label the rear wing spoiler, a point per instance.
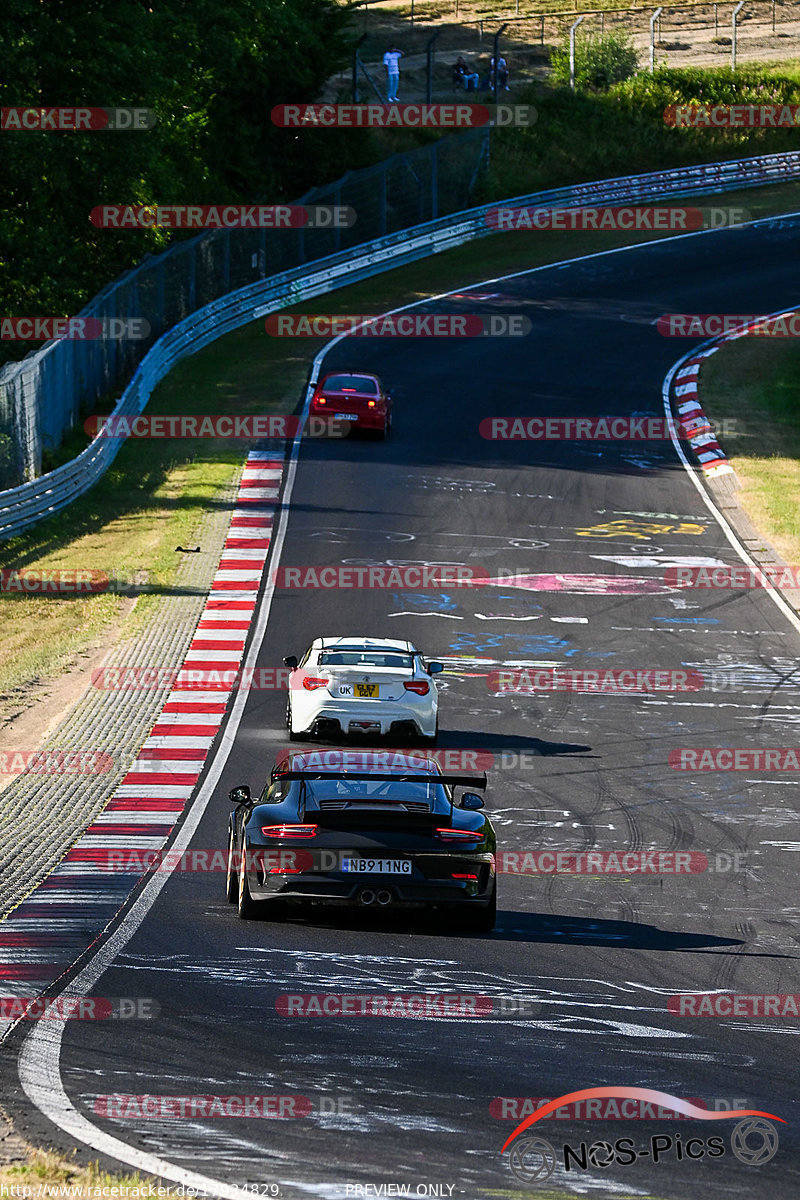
(478, 781)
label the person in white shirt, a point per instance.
(502, 73)
(391, 60)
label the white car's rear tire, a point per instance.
(293, 737)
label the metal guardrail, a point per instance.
(23, 506)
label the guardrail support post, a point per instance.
(541, 39)
(736, 12)
(653, 20)
(572, 52)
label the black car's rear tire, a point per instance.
(232, 876)
(248, 908)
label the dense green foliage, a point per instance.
(598, 135)
(599, 61)
(211, 70)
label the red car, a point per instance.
(354, 397)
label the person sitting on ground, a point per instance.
(463, 74)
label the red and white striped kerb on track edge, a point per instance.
(693, 425)
(45, 934)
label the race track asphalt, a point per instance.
(409, 1101)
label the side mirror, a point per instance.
(471, 801)
(434, 668)
(291, 662)
(240, 795)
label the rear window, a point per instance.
(380, 791)
(351, 383)
(366, 658)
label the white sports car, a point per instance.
(362, 686)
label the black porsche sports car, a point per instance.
(386, 832)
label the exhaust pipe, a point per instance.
(366, 896)
(384, 897)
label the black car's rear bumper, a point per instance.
(384, 890)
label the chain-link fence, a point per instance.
(47, 394)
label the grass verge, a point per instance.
(754, 384)
(49, 1175)
(157, 492)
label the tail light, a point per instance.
(459, 835)
(371, 403)
(310, 683)
(320, 400)
(474, 878)
(420, 686)
(289, 831)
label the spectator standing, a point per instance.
(502, 74)
(391, 60)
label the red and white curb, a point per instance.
(48, 931)
(694, 426)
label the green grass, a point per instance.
(755, 384)
(47, 1174)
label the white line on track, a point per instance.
(39, 1062)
